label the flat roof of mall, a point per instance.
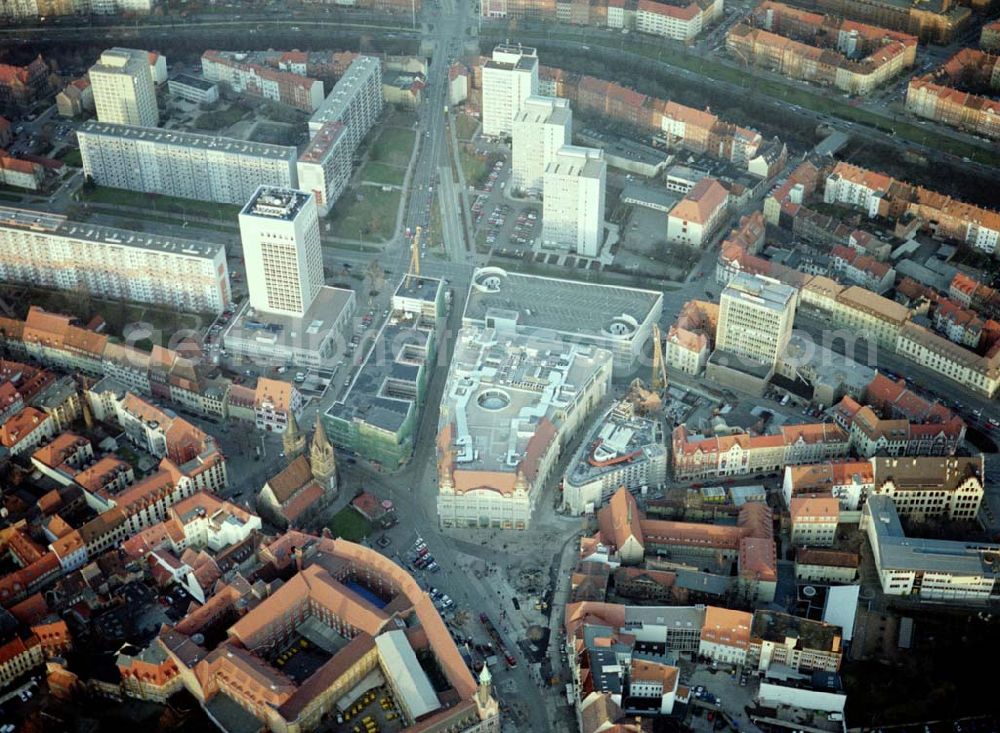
(564, 306)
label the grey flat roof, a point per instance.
(409, 679)
(701, 582)
(184, 139)
(899, 552)
(190, 80)
(623, 147)
(269, 202)
(673, 617)
(307, 332)
(762, 291)
(564, 306)
(421, 288)
(639, 194)
(41, 222)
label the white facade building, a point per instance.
(623, 449)
(509, 406)
(324, 168)
(543, 126)
(279, 229)
(123, 88)
(573, 205)
(509, 78)
(755, 318)
(193, 89)
(183, 164)
(680, 23)
(938, 570)
(47, 250)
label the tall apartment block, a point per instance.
(355, 101)
(279, 228)
(48, 250)
(324, 168)
(543, 126)
(573, 208)
(183, 164)
(755, 318)
(509, 78)
(123, 88)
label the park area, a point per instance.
(389, 156)
(152, 202)
(350, 525)
(367, 214)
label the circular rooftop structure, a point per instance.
(493, 400)
(489, 279)
(623, 326)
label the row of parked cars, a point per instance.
(423, 559)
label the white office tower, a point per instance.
(123, 88)
(755, 318)
(543, 126)
(573, 208)
(509, 78)
(279, 228)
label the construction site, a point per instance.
(376, 415)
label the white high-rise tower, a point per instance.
(543, 125)
(509, 78)
(573, 209)
(279, 228)
(123, 88)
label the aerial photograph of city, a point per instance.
(499, 366)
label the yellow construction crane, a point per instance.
(659, 383)
(415, 253)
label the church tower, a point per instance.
(323, 459)
(293, 440)
(489, 709)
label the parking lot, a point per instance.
(375, 712)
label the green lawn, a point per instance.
(393, 147)
(374, 172)
(156, 202)
(372, 219)
(219, 119)
(474, 167)
(465, 126)
(349, 524)
(71, 156)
